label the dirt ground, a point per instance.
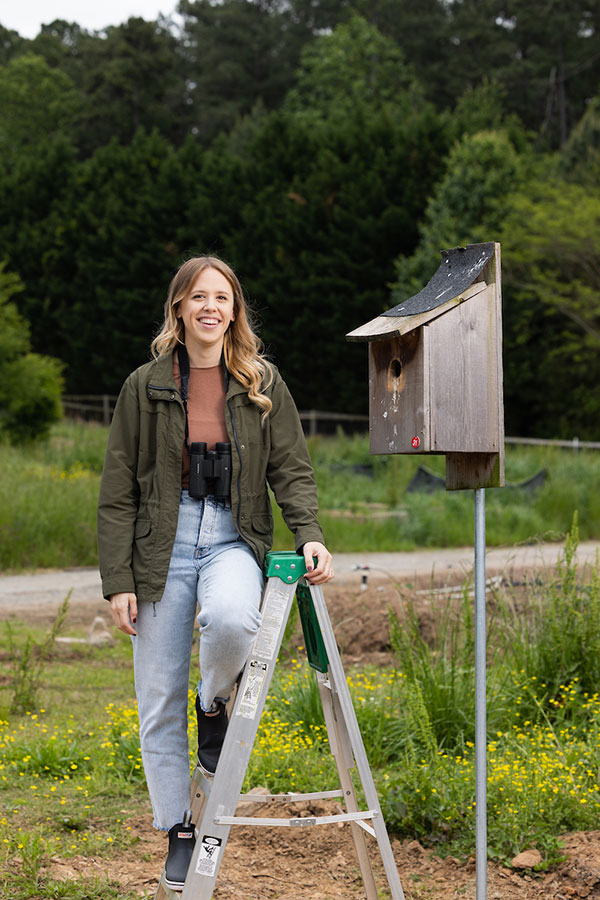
(320, 863)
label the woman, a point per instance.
(169, 540)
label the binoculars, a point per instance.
(210, 471)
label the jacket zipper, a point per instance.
(239, 452)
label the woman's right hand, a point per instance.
(124, 611)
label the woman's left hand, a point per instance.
(323, 571)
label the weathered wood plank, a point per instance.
(464, 390)
(469, 471)
(399, 394)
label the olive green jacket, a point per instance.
(141, 482)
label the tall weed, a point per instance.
(28, 661)
(440, 671)
(555, 640)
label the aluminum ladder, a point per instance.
(214, 800)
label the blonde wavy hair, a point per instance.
(242, 348)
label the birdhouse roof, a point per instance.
(454, 282)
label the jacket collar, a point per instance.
(161, 374)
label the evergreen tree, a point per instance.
(237, 53)
(112, 260)
(325, 210)
(134, 78)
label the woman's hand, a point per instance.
(323, 571)
(124, 611)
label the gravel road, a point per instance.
(39, 591)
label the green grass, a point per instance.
(48, 496)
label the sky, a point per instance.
(27, 16)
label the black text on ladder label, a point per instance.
(209, 853)
(267, 640)
(250, 692)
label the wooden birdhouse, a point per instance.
(435, 370)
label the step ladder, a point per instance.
(214, 800)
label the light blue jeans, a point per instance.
(213, 567)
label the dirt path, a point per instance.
(33, 594)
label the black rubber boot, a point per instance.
(211, 734)
(181, 846)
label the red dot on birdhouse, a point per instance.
(415, 441)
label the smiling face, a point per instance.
(206, 312)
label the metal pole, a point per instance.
(480, 701)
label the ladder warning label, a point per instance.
(209, 854)
(255, 676)
(270, 629)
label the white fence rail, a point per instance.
(100, 407)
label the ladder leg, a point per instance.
(344, 760)
(227, 783)
(340, 687)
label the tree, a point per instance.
(551, 279)
(32, 223)
(322, 212)
(32, 383)
(11, 43)
(108, 271)
(63, 45)
(581, 154)
(467, 206)
(37, 103)
(133, 78)
(353, 67)
(237, 53)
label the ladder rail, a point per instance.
(341, 698)
(235, 756)
(344, 760)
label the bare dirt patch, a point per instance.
(320, 864)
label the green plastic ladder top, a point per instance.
(290, 567)
(313, 638)
(285, 564)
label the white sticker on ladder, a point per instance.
(250, 694)
(209, 853)
(270, 629)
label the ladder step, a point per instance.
(296, 823)
(291, 797)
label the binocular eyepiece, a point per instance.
(210, 471)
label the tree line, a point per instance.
(328, 150)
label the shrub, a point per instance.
(32, 384)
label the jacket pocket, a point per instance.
(262, 524)
(143, 551)
(142, 528)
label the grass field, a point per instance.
(48, 495)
